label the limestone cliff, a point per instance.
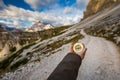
(95, 6)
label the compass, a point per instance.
(78, 47)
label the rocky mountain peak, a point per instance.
(38, 26)
(95, 6)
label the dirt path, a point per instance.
(102, 60)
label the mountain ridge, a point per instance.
(95, 6)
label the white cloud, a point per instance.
(36, 4)
(83, 1)
(68, 10)
(5, 22)
(17, 17)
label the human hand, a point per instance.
(82, 53)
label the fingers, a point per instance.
(72, 48)
(83, 53)
(84, 50)
(83, 45)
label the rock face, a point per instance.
(107, 27)
(95, 6)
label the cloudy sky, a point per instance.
(24, 13)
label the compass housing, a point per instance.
(78, 47)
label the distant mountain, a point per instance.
(39, 26)
(10, 28)
(4, 27)
(1, 29)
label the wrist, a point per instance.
(77, 54)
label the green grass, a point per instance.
(38, 59)
(4, 65)
(54, 32)
(17, 64)
(57, 44)
(16, 55)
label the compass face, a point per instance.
(78, 47)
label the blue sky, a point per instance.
(24, 13)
